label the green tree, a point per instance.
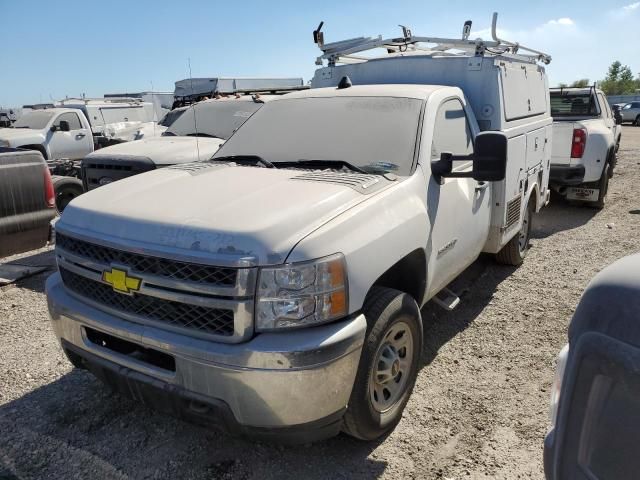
(619, 80)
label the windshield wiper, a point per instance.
(253, 159)
(200, 134)
(321, 163)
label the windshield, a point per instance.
(215, 118)
(35, 120)
(372, 133)
(170, 117)
(565, 104)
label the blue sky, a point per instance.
(52, 49)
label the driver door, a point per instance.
(459, 209)
(74, 144)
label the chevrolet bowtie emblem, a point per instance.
(121, 281)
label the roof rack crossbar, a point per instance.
(333, 52)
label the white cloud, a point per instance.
(562, 21)
(624, 12)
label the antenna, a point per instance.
(153, 100)
(195, 119)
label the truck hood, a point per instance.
(20, 134)
(218, 212)
(164, 150)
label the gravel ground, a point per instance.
(479, 408)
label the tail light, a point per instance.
(49, 192)
(578, 143)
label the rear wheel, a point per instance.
(388, 364)
(637, 121)
(514, 252)
(66, 189)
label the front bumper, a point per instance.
(293, 385)
(566, 175)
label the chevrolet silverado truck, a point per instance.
(275, 289)
(195, 135)
(586, 136)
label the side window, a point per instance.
(71, 118)
(451, 132)
(606, 110)
(636, 105)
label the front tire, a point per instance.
(66, 189)
(514, 252)
(637, 121)
(388, 364)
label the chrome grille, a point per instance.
(146, 264)
(513, 211)
(215, 321)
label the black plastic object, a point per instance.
(597, 431)
(345, 82)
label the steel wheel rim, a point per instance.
(392, 367)
(523, 235)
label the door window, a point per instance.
(71, 118)
(452, 133)
(605, 106)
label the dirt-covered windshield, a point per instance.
(371, 133)
(214, 118)
(34, 120)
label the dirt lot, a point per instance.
(479, 409)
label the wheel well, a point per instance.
(39, 148)
(408, 275)
(534, 195)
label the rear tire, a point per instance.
(388, 364)
(637, 121)
(66, 189)
(514, 252)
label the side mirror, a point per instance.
(64, 126)
(490, 157)
(489, 160)
(618, 118)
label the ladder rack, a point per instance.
(343, 51)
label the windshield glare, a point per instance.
(372, 133)
(215, 118)
(35, 120)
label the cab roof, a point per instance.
(421, 92)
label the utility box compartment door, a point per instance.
(524, 92)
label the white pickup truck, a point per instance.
(275, 290)
(195, 135)
(586, 137)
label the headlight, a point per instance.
(302, 294)
(557, 384)
(4, 143)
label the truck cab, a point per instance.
(54, 132)
(278, 287)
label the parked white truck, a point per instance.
(275, 290)
(586, 137)
(196, 135)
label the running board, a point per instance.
(446, 299)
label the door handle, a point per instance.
(80, 135)
(482, 186)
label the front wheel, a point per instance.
(66, 189)
(388, 365)
(637, 121)
(514, 252)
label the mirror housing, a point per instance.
(64, 126)
(489, 160)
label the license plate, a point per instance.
(584, 194)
